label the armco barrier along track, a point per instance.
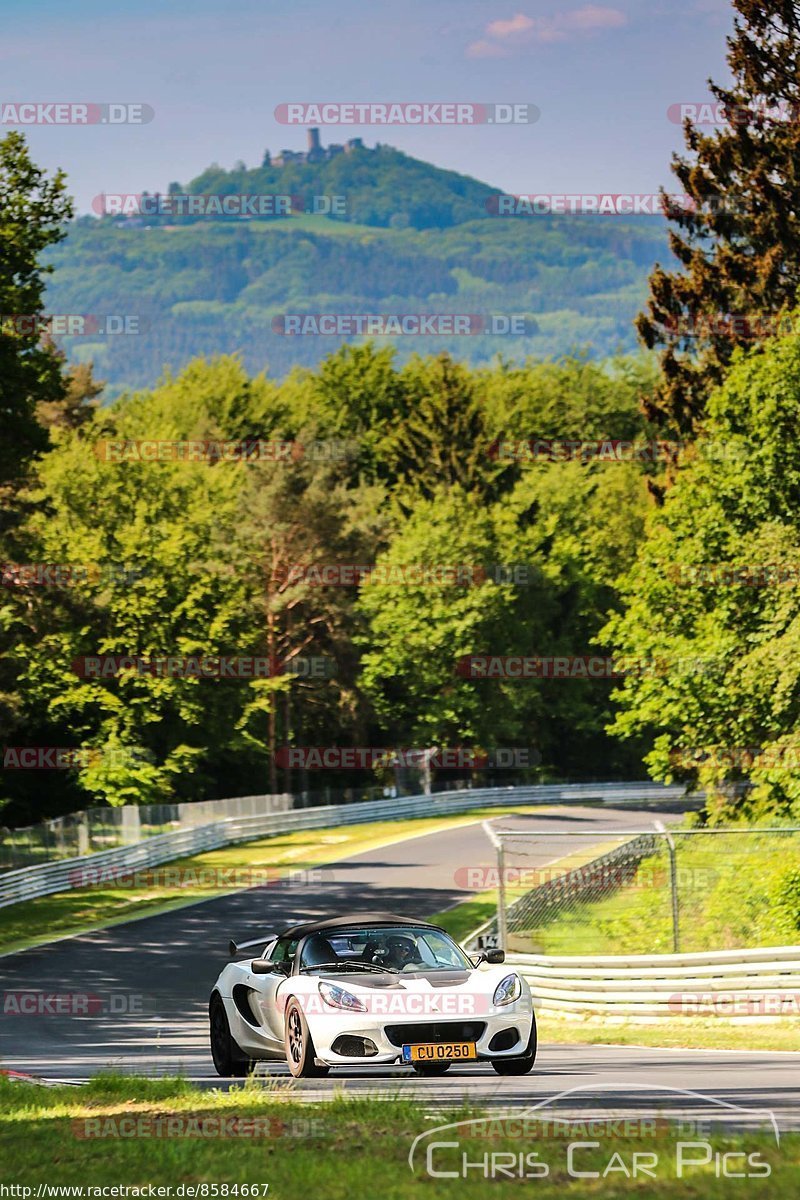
(44, 879)
(761, 984)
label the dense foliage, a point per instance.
(715, 588)
(736, 235)
(190, 558)
(393, 460)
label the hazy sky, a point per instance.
(603, 75)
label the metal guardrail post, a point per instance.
(502, 924)
(673, 885)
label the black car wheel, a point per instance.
(300, 1053)
(522, 1065)
(229, 1059)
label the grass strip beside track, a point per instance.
(346, 1148)
(689, 1033)
(734, 892)
(463, 919)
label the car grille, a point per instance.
(435, 1031)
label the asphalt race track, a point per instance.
(146, 984)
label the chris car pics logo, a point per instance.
(683, 1135)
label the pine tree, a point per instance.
(33, 210)
(738, 235)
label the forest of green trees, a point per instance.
(641, 511)
(397, 467)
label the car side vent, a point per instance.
(504, 1040)
(241, 998)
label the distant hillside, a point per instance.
(414, 239)
(383, 187)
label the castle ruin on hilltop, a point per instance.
(316, 152)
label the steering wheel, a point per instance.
(368, 953)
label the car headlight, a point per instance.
(508, 990)
(337, 997)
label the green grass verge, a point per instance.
(691, 1033)
(462, 919)
(83, 909)
(579, 937)
(734, 892)
(339, 1150)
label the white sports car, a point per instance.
(369, 988)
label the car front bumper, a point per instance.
(332, 1032)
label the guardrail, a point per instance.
(45, 879)
(762, 984)
(586, 882)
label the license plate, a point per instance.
(440, 1052)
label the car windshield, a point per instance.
(397, 948)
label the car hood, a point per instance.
(422, 981)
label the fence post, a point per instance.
(673, 885)
(502, 924)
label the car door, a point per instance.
(266, 1000)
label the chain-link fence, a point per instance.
(651, 891)
(97, 829)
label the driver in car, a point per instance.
(401, 952)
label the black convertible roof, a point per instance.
(342, 922)
(358, 918)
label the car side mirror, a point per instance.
(489, 956)
(264, 966)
